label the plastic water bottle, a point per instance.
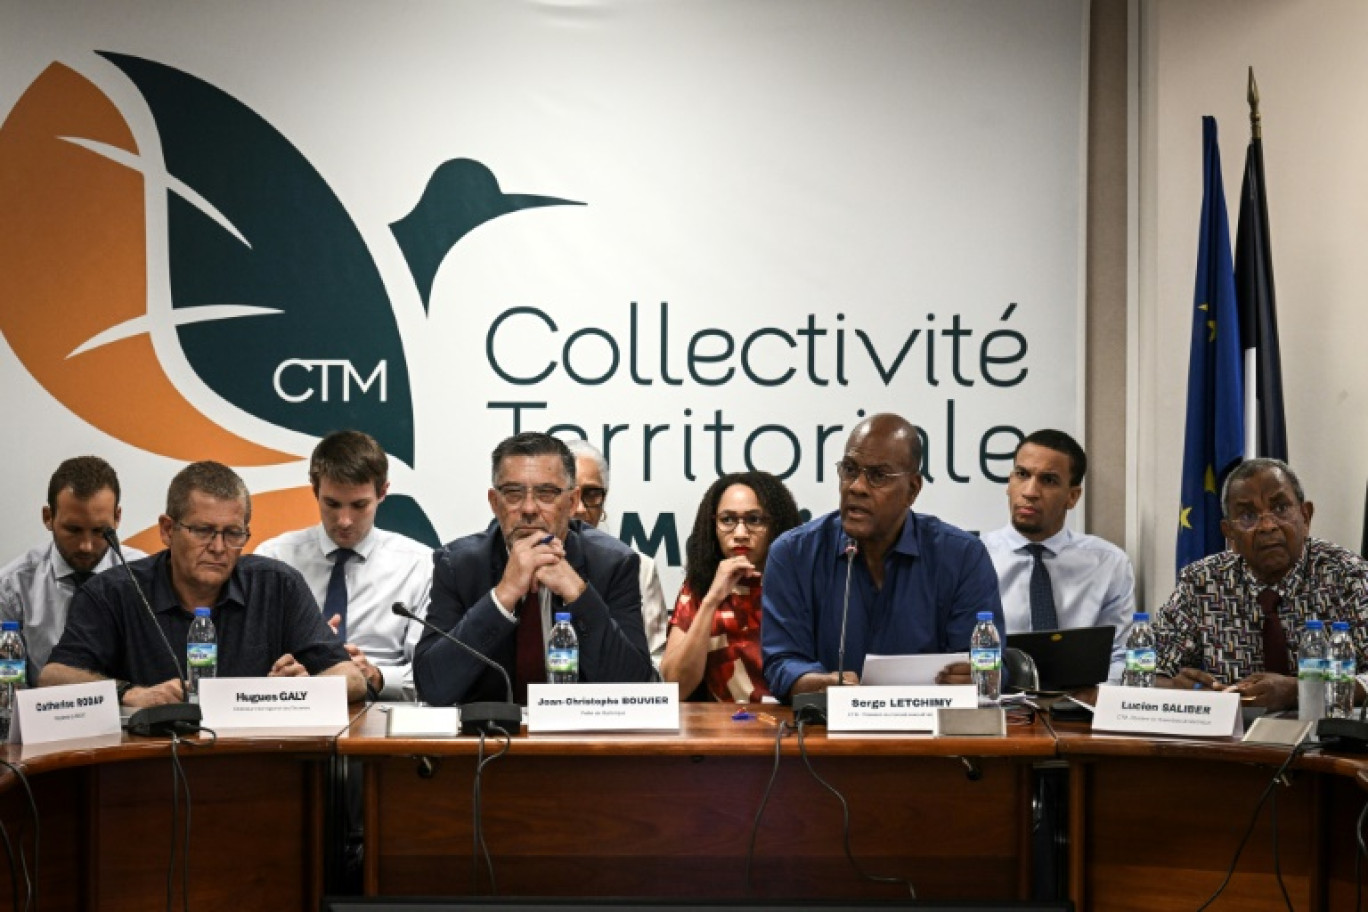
(13, 672)
(985, 658)
(1340, 682)
(1140, 655)
(201, 652)
(562, 652)
(1312, 663)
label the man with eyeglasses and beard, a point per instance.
(497, 590)
(265, 617)
(1232, 622)
(916, 582)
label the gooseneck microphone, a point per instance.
(812, 707)
(167, 718)
(482, 716)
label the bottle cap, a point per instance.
(985, 615)
(562, 616)
(1314, 624)
(1141, 616)
(1340, 625)
(9, 625)
(201, 612)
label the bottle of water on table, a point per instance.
(985, 658)
(201, 652)
(13, 672)
(1312, 661)
(1140, 655)
(562, 652)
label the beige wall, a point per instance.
(1191, 59)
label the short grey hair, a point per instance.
(1251, 467)
(580, 448)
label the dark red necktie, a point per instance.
(531, 665)
(1274, 637)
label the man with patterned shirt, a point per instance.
(1233, 622)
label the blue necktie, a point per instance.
(335, 601)
(1043, 615)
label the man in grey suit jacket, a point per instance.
(497, 590)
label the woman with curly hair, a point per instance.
(713, 650)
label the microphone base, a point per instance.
(166, 720)
(485, 717)
(810, 708)
(1347, 735)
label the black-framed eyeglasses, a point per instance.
(514, 494)
(232, 538)
(1284, 514)
(592, 497)
(848, 470)
(756, 522)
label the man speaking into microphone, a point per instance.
(910, 584)
(265, 617)
(496, 591)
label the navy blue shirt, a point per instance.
(936, 579)
(264, 612)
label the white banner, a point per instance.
(707, 236)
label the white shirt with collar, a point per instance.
(388, 568)
(1092, 580)
(36, 590)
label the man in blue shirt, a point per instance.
(916, 583)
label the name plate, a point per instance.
(893, 708)
(602, 707)
(312, 702)
(70, 711)
(1160, 711)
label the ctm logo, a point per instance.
(183, 279)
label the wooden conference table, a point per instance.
(1153, 824)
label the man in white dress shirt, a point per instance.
(1049, 577)
(356, 571)
(36, 588)
(591, 474)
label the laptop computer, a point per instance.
(1069, 659)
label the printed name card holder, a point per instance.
(409, 721)
(893, 708)
(61, 713)
(602, 707)
(312, 702)
(1160, 711)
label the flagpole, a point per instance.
(1251, 355)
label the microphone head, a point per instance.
(401, 609)
(852, 548)
(110, 536)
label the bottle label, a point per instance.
(1343, 669)
(202, 655)
(1141, 660)
(985, 658)
(1312, 669)
(12, 671)
(562, 661)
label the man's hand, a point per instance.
(165, 692)
(956, 673)
(526, 559)
(812, 682)
(287, 667)
(374, 676)
(558, 576)
(1274, 692)
(1189, 679)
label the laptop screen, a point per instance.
(1069, 659)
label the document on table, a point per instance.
(908, 669)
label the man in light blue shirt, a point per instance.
(1090, 581)
(916, 583)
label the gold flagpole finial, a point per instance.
(1255, 122)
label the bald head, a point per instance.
(888, 428)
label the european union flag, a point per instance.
(1214, 440)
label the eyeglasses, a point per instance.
(756, 522)
(514, 494)
(1283, 514)
(593, 497)
(849, 471)
(232, 538)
